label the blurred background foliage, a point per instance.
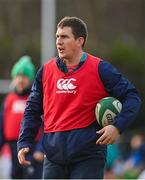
(116, 33)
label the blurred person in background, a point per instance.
(113, 155)
(66, 90)
(135, 162)
(11, 115)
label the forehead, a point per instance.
(64, 30)
(20, 76)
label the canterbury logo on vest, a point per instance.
(66, 86)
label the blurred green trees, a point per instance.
(130, 60)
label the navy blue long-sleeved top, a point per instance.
(56, 144)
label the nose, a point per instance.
(59, 41)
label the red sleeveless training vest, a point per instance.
(70, 98)
(13, 113)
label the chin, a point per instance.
(62, 56)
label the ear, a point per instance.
(81, 41)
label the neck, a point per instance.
(73, 60)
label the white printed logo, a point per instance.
(66, 86)
(19, 106)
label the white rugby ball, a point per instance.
(106, 110)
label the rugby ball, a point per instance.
(106, 110)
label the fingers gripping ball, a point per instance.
(106, 110)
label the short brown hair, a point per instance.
(79, 28)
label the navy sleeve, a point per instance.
(121, 88)
(38, 145)
(2, 141)
(32, 115)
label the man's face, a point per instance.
(21, 82)
(66, 43)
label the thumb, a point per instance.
(101, 131)
(27, 149)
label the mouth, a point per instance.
(60, 49)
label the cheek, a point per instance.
(72, 46)
(27, 82)
(24, 83)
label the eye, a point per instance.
(64, 36)
(57, 36)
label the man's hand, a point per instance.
(109, 135)
(21, 156)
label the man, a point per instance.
(66, 91)
(11, 116)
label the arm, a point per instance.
(38, 154)
(1, 127)
(32, 119)
(121, 88)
